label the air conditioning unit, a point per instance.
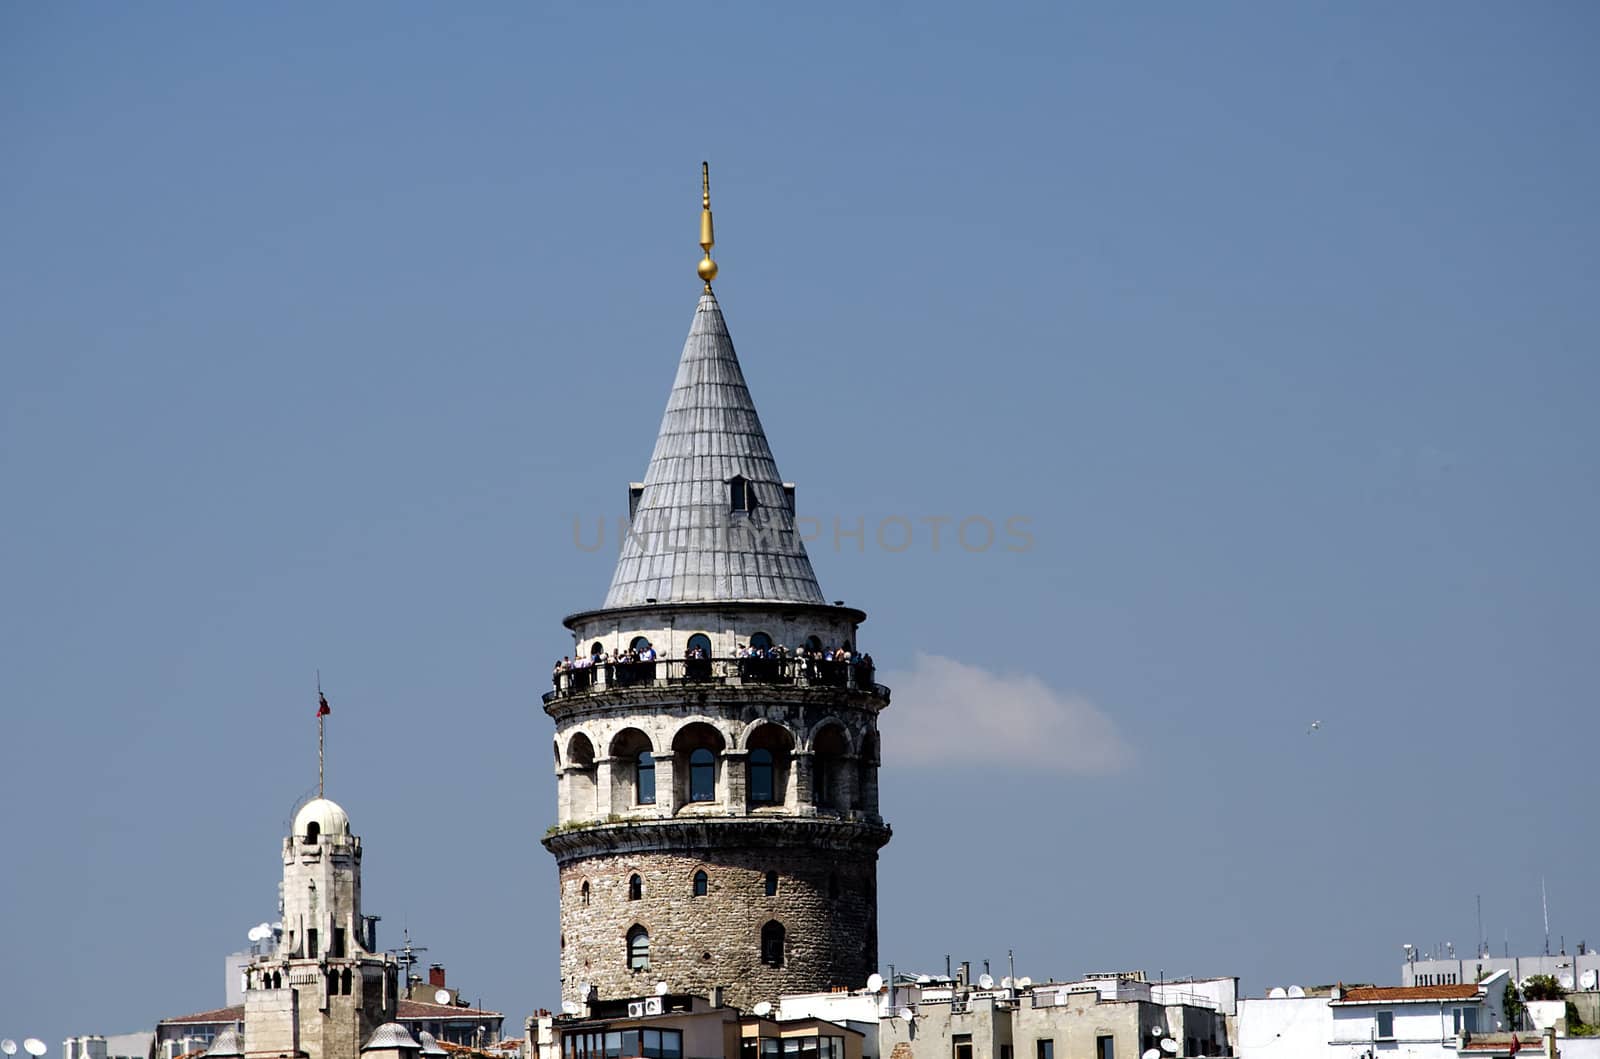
(652, 1005)
(636, 1009)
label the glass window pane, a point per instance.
(645, 773)
(770, 1046)
(630, 1042)
(671, 1044)
(652, 1044)
(613, 1045)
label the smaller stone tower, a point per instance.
(325, 990)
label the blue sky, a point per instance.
(1274, 326)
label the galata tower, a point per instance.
(716, 743)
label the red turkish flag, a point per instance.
(322, 705)
(1516, 1045)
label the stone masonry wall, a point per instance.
(826, 902)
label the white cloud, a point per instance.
(949, 713)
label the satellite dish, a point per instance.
(1277, 992)
(1169, 1046)
(1006, 983)
(874, 983)
(1024, 982)
(1567, 983)
(8, 1046)
(661, 988)
(1157, 1031)
(1588, 980)
(258, 933)
(762, 1009)
(904, 1013)
(1151, 1053)
(924, 979)
(986, 981)
(570, 1007)
(442, 997)
(1296, 992)
(34, 1047)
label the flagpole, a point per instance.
(322, 713)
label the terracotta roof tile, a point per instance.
(419, 1009)
(233, 1014)
(1396, 993)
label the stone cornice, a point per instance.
(696, 835)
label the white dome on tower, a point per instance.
(326, 814)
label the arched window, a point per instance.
(761, 640)
(740, 496)
(701, 884)
(772, 943)
(813, 643)
(828, 751)
(313, 829)
(638, 949)
(635, 888)
(597, 649)
(640, 644)
(702, 643)
(772, 884)
(702, 775)
(761, 776)
(585, 892)
(344, 981)
(644, 778)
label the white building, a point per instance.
(1417, 1022)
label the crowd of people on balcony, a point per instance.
(804, 659)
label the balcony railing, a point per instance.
(796, 672)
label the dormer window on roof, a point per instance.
(740, 496)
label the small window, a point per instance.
(585, 892)
(1106, 1048)
(344, 981)
(1385, 1025)
(638, 949)
(313, 829)
(597, 649)
(761, 641)
(961, 1046)
(311, 943)
(640, 644)
(700, 645)
(740, 496)
(702, 775)
(772, 884)
(701, 884)
(644, 778)
(338, 943)
(635, 888)
(1045, 1048)
(772, 943)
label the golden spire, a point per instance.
(708, 267)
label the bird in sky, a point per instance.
(1316, 726)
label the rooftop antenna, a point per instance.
(1544, 899)
(406, 954)
(1483, 942)
(322, 713)
(707, 268)
(1011, 961)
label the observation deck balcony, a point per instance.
(700, 672)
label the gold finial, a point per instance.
(708, 267)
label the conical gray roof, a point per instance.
(390, 1035)
(225, 1045)
(687, 544)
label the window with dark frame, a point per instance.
(644, 778)
(1385, 1025)
(701, 884)
(772, 943)
(1045, 1048)
(961, 1046)
(638, 949)
(702, 775)
(770, 886)
(635, 888)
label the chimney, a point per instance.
(436, 975)
(964, 976)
